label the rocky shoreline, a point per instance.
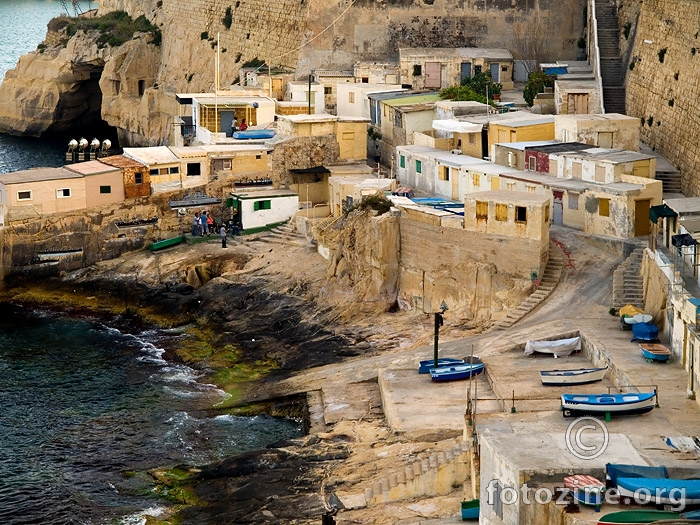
(257, 317)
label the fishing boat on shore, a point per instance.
(558, 348)
(637, 517)
(618, 404)
(456, 372)
(661, 491)
(586, 489)
(655, 352)
(425, 366)
(580, 376)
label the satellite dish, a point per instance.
(95, 143)
(83, 143)
(106, 144)
(72, 144)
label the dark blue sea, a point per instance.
(86, 408)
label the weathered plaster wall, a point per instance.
(665, 94)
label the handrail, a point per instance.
(596, 49)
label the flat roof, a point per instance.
(576, 185)
(120, 161)
(314, 117)
(501, 118)
(227, 99)
(263, 194)
(688, 205)
(456, 160)
(521, 146)
(152, 155)
(560, 147)
(91, 167)
(519, 197)
(38, 175)
(413, 99)
(608, 155)
(521, 122)
(596, 116)
(456, 52)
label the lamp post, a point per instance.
(438, 323)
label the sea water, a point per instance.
(86, 409)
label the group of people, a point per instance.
(234, 125)
(202, 224)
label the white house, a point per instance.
(260, 210)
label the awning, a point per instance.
(456, 126)
(656, 212)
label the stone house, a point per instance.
(376, 72)
(438, 68)
(353, 98)
(590, 164)
(299, 92)
(164, 167)
(609, 130)
(236, 161)
(577, 97)
(104, 184)
(401, 118)
(539, 127)
(260, 210)
(206, 118)
(330, 79)
(136, 176)
(512, 154)
(36, 192)
(346, 190)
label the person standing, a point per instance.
(195, 224)
(205, 224)
(223, 236)
(210, 224)
(234, 125)
(244, 125)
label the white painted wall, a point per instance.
(282, 209)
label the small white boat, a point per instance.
(579, 376)
(558, 348)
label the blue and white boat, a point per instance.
(661, 491)
(618, 404)
(455, 372)
(254, 134)
(580, 376)
(655, 352)
(425, 366)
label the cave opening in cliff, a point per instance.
(79, 112)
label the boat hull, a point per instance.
(638, 517)
(655, 353)
(662, 491)
(470, 510)
(582, 376)
(455, 372)
(425, 366)
(574, 405)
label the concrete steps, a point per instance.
(628, 287)
(613, 78)
(549, 281)
(671, 181)
(285, 234)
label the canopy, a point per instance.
(663, 210)
(456, 126)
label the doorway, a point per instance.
(495, 72)
(465, 71)
(641, 217)
(558, 210)
(225, 122)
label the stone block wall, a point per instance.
(665, 93)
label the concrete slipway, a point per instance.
(528, 443)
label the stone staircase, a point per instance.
(550, 279)
(285, 234)
(671, 181)
(628, 286)
(613, 79)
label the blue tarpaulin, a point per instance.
(645, 332)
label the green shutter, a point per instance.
(402, 161)
(418, 167)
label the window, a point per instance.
(472, 139)
(327, 90)
(510, 186)
(105, 189)
(24, 195)
(155, 171)
(193, 169)
(530, 188)
(501, 212)
(545, 215)
(63, 193)
(604, 207)
(521, 214)
(477, 70)
(351, 97)
(262, 205)
(419, 167)
(222, 164)
(504, 68)
(482, 210)
(173, 169)
(532, 163)
(348, 135)
(417, 70)
(163, 171)
(402, 161)
(257, 157)
(138, 178)
(142, 87)
(365, 80)
(443, 173)
(573, 201)
(476, 180)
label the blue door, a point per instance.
(495, 72)
(465, 71)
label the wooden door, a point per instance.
(454, 175)
(578, 103)
(495, 182)
(432, 75)
(641, 217)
